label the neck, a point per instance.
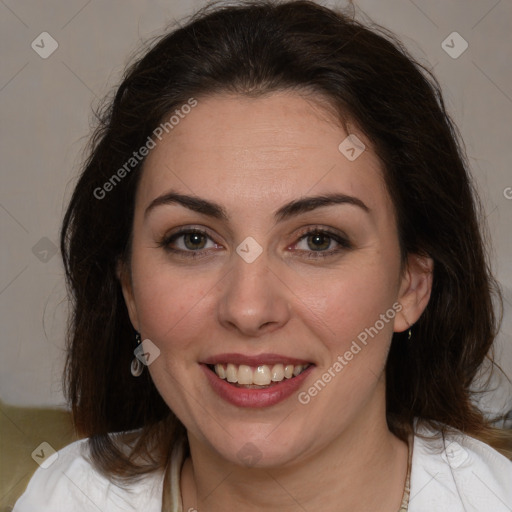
(364, 468)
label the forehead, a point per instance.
(254, 151)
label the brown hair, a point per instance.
(365, 73)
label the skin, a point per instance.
(251, 156)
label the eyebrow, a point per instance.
(291, 209)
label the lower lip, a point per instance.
(243, 397)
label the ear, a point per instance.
(415, 289)
(124, 275)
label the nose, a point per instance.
(253, 300)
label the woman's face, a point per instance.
(292, 264)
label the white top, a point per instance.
(465, 475)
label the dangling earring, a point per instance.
(137, 367)
(409, 336)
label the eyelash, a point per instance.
(342, 241)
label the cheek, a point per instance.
(347, 302)
(171, 303)
(353, 318)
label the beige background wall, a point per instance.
(46, 109)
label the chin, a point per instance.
(261, 450)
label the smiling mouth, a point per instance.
(258, 377)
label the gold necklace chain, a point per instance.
(404, 507)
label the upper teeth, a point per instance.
(262, 375)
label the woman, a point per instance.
(276, 204)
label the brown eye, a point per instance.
(194, 241)
(319, 241)
(188, 242)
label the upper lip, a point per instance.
(255, 360)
